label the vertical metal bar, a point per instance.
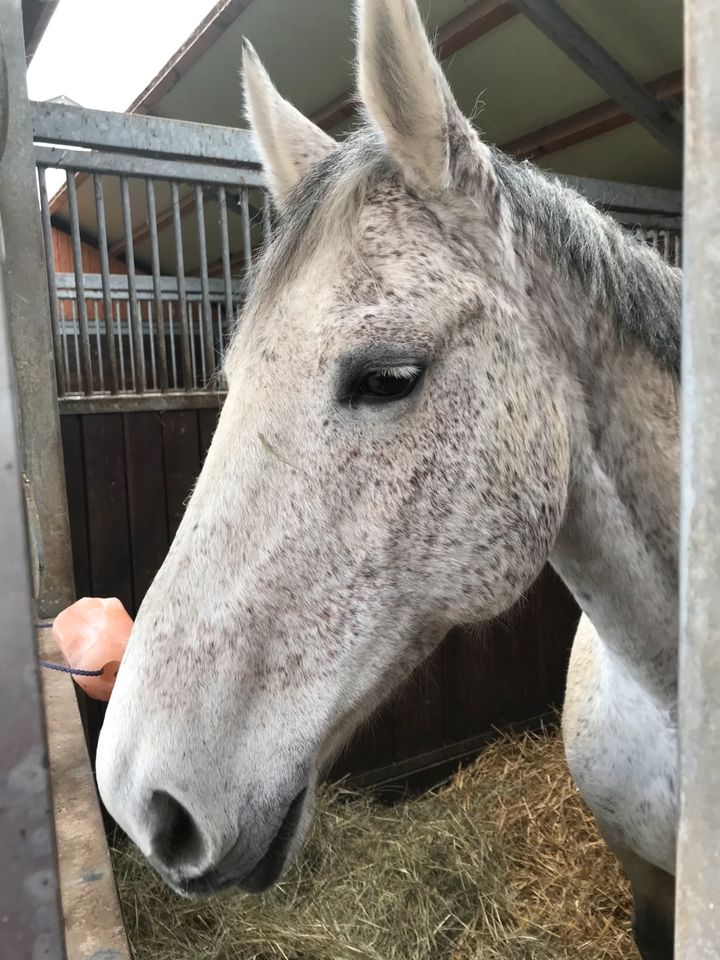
(98, 342)
(76, 341)
(151, 341)
(64, 333)
(245, 220)
(219, 311)
(206, 333)
(267, 216)
(173, 358)
(182, 297)
(139, 381)
(191, 322)
(52, 288)
(227, 276)
(105, 274)
(131, 347)
(85, 353)
(155, 262)
(698, 879)
(121, 346)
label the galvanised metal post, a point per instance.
(698, 887)
(30, 333)
(30, 919)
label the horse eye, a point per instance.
(384, 386)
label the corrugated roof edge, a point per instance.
(212, 27)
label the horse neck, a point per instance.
(617, 549)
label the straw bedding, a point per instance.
(503, 863)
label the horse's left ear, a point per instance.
(405, 92)
(289, 143)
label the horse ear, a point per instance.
(405, 92)
(289, 143)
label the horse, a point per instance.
(448, 370)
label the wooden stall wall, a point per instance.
(128, 478)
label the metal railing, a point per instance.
(148, 202)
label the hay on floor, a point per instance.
(504, 863)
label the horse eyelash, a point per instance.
(400, 373)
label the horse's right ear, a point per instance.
(289, 143)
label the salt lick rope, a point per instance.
(75, 671)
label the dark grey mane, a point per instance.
(622, 274)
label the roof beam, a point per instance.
(212, 27)
(549, 17)
(589, 123)
(479, 18)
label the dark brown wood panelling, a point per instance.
(147, 511)
(129, 477)
(107, 507)
(181, 444)
(72, 441)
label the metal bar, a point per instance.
(66, 356)
(144, 286)
(76, 341)
(180, 272)
(657, 118)
(132, 402)
(105, 280)
(151, 341)
(139, 380)
(32, 924)
(207, 331)
(191, 322)
(85, 354)
(134, 133)
(50, 267)
(173, 358)
(627, 196)
(118, 164)
(98, 344)
(227, 276)
(157, 288)
(697, 933)
(245, 216)
(267, 216)
(121, 347)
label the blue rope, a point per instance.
(75, 671)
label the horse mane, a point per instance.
(623, 275)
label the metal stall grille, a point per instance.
(146, 241)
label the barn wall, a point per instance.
(128, 477)
(63, 256)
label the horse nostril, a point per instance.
(176, 840)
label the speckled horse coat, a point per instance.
(448, 370)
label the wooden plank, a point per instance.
(480, 18)
(549, 17)
(589, 123)
(181, 446)
(418, 714)
(207, 421)
(93, 921)
(73, 456)
(108, 529)
(147, 510)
